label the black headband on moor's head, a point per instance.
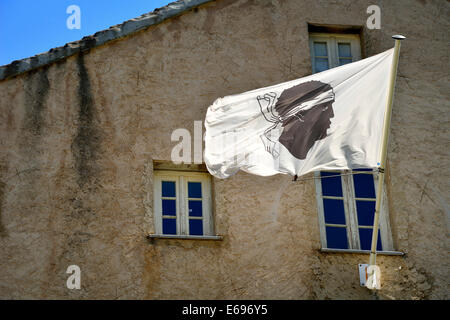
(299, 94)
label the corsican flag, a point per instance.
(329, 120)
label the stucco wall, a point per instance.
(78, 138)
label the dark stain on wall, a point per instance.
(36, 91)
(85, 146)
(36, 88)
(2, 199)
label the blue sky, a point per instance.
(29, 27)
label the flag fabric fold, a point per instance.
(331, 120)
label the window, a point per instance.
(333, 50)
(346, 199)
(346, 203)
(182, 203)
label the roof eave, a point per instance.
(99, 38)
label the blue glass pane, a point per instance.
(365, 239)
(195, 208)
(364, 186)
(331, 186)
(169, 226)
(344, 50)
(169, 207)
(337, 238)
(366, 212)
(344, 61)
(320, 49)
(194, 189)
(196, 227)
(168, 188)
(321, 64)
(334, 211)
(363, 169)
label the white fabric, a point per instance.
(235, 136)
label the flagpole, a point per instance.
(386, 125)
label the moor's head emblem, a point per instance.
(303, 114)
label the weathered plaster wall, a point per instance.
(78, 138)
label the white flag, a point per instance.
(329, 120)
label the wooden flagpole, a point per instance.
(386, 125)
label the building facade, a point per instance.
(87, 135)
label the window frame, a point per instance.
(351, 216)
(332, 40)
(181, 179)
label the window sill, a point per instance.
(183, 237)
(386, 253)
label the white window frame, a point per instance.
(181, 179)
(351, 216)
(332, 40)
